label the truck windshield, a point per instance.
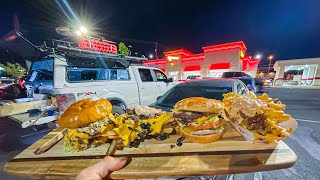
(90, 69)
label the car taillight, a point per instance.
(65, 100)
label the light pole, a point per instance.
(129, 49)
(270, 60)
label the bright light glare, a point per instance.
(306, 65)
(83, 29)
(78, 33)
(291, 66)
(150, 56)
(270, 57)
(258, 56)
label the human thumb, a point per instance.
(104, 167)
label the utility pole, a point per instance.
(270, 59)
(156, 50)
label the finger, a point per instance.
(109, 164)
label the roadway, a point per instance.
(302, 104)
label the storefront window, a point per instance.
(217, 73)
(174, 75)
(299, 74)
(190, 73)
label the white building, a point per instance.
(297, 72)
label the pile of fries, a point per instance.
(261, 115)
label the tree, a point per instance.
(14, 69)
(123, 49)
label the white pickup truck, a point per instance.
(119, 80)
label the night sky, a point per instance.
(286, 28)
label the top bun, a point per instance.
(199, 104)
(84, 112)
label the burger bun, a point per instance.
(201, 139)
(199, 104)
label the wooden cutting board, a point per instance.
(232, 154)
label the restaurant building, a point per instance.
(216, 59)
(297, 72)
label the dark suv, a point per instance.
(258, 82)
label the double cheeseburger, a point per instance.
(89, 123)
(199, 119)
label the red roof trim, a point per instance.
(178, 52)
(156, 61)
(194, 57)
(227, 46)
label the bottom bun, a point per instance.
(200, 139)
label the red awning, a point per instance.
(192, 68)
(220, 66)
(163, 69)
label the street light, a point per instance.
(78, 33)
(258, 56)
(151, 56)
(83, 29)
(270, 60)
(270, 57)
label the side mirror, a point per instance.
(169, 80)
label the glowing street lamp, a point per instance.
(270, 60)
(83, 29)
(258, 56)
(151, 56)
(270, 57)
(78, 33)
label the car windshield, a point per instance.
(6, 81)
(177, 93)
(231, 74)
(247, 81)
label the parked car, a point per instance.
(208, 88)
(191, 77)
(13, 91)
(4, 82)
(258, 81)
(249, 82)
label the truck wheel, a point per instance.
(117, 110)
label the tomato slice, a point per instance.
(209, 126)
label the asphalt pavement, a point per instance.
(302, 104)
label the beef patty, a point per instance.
(187, 117)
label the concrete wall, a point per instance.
(231, 56)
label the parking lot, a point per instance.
(302, 104)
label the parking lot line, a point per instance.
(305, 120)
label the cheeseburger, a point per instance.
(199, 119)
(89, 123)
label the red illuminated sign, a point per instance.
(96, 45)
(192, 68)
(220, 66)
